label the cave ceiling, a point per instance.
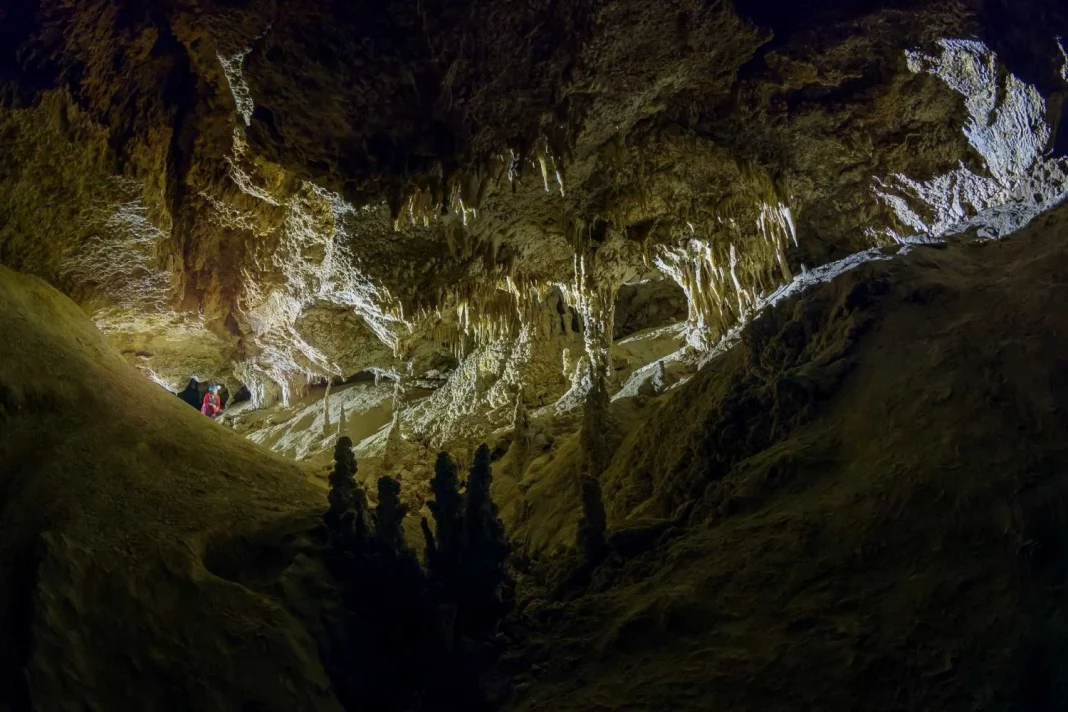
(263, 192)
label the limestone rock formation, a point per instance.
(268, 195)
(745, 312)
(445, 546)
(348, 520)
(861, 505)
(769, 529)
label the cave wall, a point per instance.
(268, 194)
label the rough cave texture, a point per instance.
(859, 505)
(754, 305)
(116, 500)
(864, 508)
(268, 194)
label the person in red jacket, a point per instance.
(212, 403)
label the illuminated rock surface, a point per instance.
(723, 271)
(269, 196)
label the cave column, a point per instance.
(595, 302)
(394, 447)
(594, 299)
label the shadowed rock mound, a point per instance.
(111, 491)
(873, 492)
(152, 559)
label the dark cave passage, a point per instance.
(194, 391)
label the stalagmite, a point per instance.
(394, 440)
(389, 516)
(326, 406)
(341, 421)
(520, 416)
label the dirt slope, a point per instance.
(111, 489)
(876, 492)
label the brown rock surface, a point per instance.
(111, 492)
(563, 228)
(861, 506)
(157, 157)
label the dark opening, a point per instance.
(785, 18)
(194, 391)
(192, 394)
(243, 394)
(646, 305)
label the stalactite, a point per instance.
(485, 311)
(724, 276)
(463, 193)
(595, 303)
